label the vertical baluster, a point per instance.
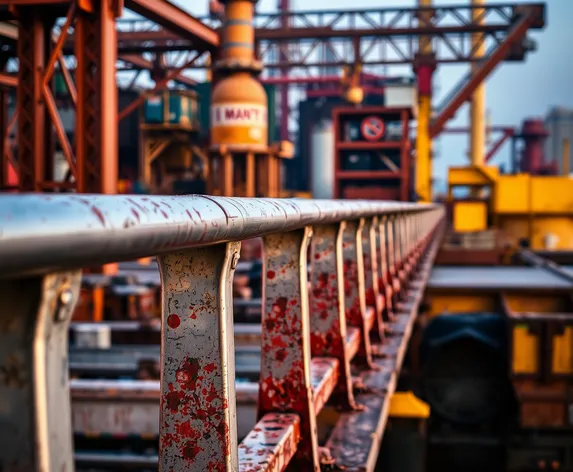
(385, 279)
(371, 287)
(392, 260)
(35, 415)
(327, 317)
(354, 296)
(198, 426)
(285, 384)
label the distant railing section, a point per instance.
(368, 264)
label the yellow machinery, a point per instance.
(536, 208)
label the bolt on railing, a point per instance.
(365, 259)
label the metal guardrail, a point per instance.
(369, 263)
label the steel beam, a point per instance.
(177, 20)
(516, 34)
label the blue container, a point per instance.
(154, 110)
(182, 109)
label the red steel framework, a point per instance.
(285, 40)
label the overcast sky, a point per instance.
(514, 90)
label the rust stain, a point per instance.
(196, 410)
(96, 211)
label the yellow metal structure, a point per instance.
(408, 405)
(423, 167)
(423, 177)
(522, 206)
(470, 301)
(477, 103)
(526, 355)
(470, 216)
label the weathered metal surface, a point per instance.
(42, 233)
(35, 423)
(197, 401)
(285, 363)
(384, 284)
(356, 438)
(328, 331)
(393, 259)
(271, 444)
(323, 378)
(496, 278)
(198, 425)
(135, 362)
(371, 287)
(131, 408)
(354, 296)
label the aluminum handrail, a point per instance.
(320, 322)
(44, 233)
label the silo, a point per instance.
(322, 160)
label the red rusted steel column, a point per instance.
(354, 296)
(198, 427)
(285, 384)
(36, 432)
(96, 117)
(33, 131)
(327, 318)
(371, 287)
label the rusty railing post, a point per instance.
(35, 417)
(371, 286)
(355, 299)
(198, 426)
(327, 315)
(393, 260)
(285, 384)
(384, 277)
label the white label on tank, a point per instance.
(242, 114)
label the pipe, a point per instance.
(424, 72)
(42, 234)
(477, 104)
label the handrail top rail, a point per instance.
(42, 233)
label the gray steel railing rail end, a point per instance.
(42, 233)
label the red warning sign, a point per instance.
(372, 128)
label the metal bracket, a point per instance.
(35, 417)
(285, 384)
(198, 426)
(371, 287)
(327, 316)
(355, 299)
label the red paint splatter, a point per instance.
(173, 321)
(271, 274)
(99, 214)
(210, 367)
(173, 400)
(190, 450)
(193, 316)
(317, 256)
(281, 355)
